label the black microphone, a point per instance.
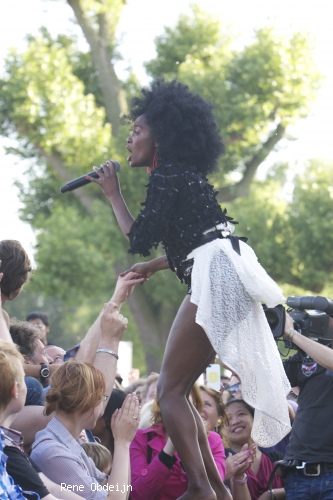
(81, 181)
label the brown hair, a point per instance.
(15, 266)
(25, 335)
(220, 407)
(75, 386)
(11, 371)
(100, 455)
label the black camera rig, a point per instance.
(311, 317)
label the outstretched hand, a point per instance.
(144, 269)
(125, 286)
(113, 324)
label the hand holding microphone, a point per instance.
(98, 173)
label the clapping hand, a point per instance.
(239, 463)
(125, 421)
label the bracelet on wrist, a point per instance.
(240, 481)
(108, 351)
(272, 494)
(290, 334)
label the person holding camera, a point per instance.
(322, 354)
(308, 463)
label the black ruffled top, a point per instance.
(179, 207)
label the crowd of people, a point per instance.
(68, 427)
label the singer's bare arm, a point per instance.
(147, 269)
(109, 183)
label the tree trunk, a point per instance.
(241, 188)
(113, 97)
(151, 336)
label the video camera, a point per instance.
(314, 323)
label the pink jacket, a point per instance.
(154, 480)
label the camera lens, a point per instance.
(275, 317)
(272, 319)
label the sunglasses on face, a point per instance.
(233, 389)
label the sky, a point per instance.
(141, 22)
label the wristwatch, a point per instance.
(44, 372)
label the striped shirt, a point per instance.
(62, 459)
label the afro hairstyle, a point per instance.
(181, 122)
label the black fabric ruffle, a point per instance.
(180, 205)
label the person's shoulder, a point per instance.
(6, 317)
(46, 436)
(16, 458)
(214, 438)
(177, 169)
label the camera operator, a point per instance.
(322, 354)
(308, 465)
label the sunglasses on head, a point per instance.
(233, 389)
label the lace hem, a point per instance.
(227, 289)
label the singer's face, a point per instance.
(141, 144)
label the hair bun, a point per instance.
(53, 396)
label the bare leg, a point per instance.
(188, 351)
(211, 469)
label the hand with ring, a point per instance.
(125, 421)
(240, 462)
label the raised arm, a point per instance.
(124, 287)
(318, 352)
(113, 326)
(147, 269)
(109, 183)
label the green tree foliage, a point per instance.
(258, 90)
(62, 106)
(292, 237)
(311, 216)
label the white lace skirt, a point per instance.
(228, 290)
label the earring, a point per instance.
(155, 160)
(155, 163)
(219, 421)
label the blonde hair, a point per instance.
(149, 380)
(146, 415)
(75, 386)
(100, 455)
(11, 371)
(219, 405)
